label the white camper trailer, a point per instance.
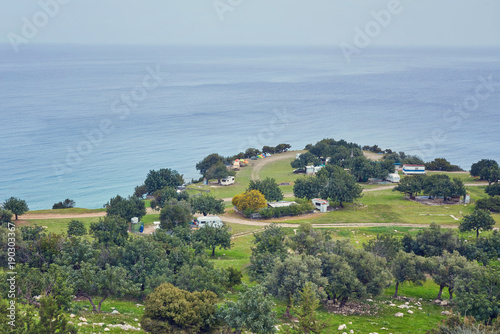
(320, 204)
(227, 181)
(213, 221)
(393, 177)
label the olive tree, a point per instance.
(478, 220)
(253, 311)
(16, 206)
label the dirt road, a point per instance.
(57, 216)
(235, 220)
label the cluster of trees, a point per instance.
(66, 204)
(345, 155)
(157, 180)
(436, 185)
(276, 149)
(487, 170)
(214, 166)
(112, 264)
(441, 164)
(333, 270)
(331, 182)
(403, 158)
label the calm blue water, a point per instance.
(66, 132)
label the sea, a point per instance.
(87, 122)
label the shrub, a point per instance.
(172, 310)
(491, 204)
(76, 228)
(67, 204)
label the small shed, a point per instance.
(320, 204)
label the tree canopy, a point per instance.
(126, 207)
(156, 180)
(172, 310)
(477, 221)
(252, 200)
(476, 168)
(207, 204)
(175, 213)
(339, 186)
(268, 187)
(16, 206)
(209, 161)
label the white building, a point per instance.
(413, 169)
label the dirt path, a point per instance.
(257, 167)
(55, 216)
(236, 220)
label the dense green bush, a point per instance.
(172, 310)
(490, 203)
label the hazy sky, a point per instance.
(276, 22)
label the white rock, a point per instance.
(351, 331)
(106, 329)
(419, 308)
(410, 311)
(341, 327)
(446, 313)
(82, 319)
(139, 305)
(407, 303)
(444, 303)
(369, 300)
(393, 305)
(71, 315)
(113, 308)
(350, 323)
(403, 306)
(399, 315)
(136, 319)
(115, 312)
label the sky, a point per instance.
(253, 22)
